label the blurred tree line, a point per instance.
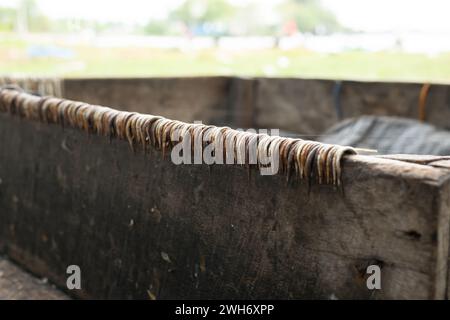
(192, 17)
(220, 17)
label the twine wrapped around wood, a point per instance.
(307, 160)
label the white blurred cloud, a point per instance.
(392, 15)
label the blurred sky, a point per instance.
(364, 15)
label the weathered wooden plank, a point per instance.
(186, 99)
(139, 226)
(242, 95)
(305, 106)
(296, 105)
(308, 106)
(443, 239)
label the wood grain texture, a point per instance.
(141, 227)
(296, 105)
(185, 99)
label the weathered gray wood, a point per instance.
(304, 106)
(140, 227)
(185, 99)
(242, 97)
(443, 238)
(16, 284)
(308, 106)
(296, 105)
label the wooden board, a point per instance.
(185, 99)
(305, 106)
(308, 106)
(141, 227)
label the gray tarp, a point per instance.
(390, 135)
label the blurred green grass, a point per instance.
(141, 62)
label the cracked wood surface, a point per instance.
(140, 227)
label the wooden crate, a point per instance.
(141, 227)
